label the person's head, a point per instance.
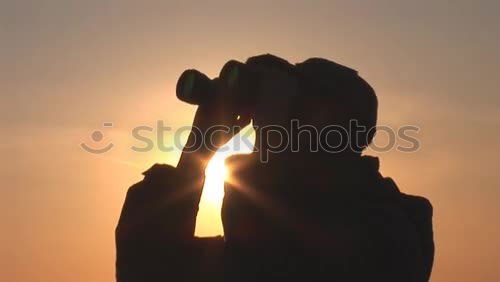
(335, 99)
(315, 93)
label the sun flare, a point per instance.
(208, 222)
(215, 175)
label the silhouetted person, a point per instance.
(310, 209)
(320, 215)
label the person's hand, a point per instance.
(215, 123)
(274, 99)
(278, 89)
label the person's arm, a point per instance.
(155, 232)
(156, 226)
(420, 211)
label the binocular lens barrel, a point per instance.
(193, 87)
(239, 79)
(230, 74)
(239, 83)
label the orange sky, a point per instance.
(67, 67)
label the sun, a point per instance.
(215, 175)
(216, 167)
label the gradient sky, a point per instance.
(66, 67)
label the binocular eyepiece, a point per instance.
(235, 84)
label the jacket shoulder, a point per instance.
(418, 203)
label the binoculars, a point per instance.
(236, 84)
